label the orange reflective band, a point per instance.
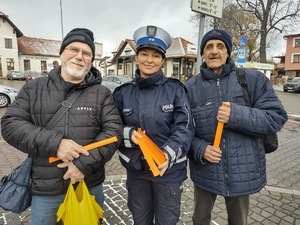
(90, 146)
(219, 132)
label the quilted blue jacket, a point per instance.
(242, 169)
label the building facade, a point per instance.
(18, 52)
(289, 65)
(292, 55)
(9, 35)
(180, 59)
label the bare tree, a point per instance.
(273, 16)
(237, 22)
(262, 21)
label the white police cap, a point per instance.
(152, 37)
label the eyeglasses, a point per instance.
(74, 51)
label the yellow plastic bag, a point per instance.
(79, 208)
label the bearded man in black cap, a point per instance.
(236, 168)
(92, 117)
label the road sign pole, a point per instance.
(200, 36)
(209, 8)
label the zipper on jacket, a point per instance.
(219, 89)
(225, 169)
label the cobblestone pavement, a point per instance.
(278, 203)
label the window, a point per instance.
(10, 64)
(176, 68)
(8, 43)
(297, 42)
(296, 58)
(26, 64)
(120, 63)
(43, 65)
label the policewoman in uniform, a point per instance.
(159, 106)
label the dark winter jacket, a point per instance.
(159, 106)
(92, 117)
(242, 169)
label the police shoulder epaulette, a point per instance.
(125, 84)
(170, 79)
(175, 80)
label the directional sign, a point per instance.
(208, 7)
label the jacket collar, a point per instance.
(155, 79)
(209, 74)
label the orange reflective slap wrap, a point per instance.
(91, 146)
(219, 132)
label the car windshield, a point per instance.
(296, 80)
(17, 73)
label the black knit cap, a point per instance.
(219, 35)
(79, 35)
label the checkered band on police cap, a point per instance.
(219, 35)
(152, 37)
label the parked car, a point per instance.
(114, 81)
(15, 75)
(7, 95)
(293, 85)
(31, 75)
(44, 73)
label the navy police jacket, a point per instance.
(159, 106)
(242, 169)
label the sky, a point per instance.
(111, 21)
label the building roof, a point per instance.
(291, 35)
(38, 46)
(179, 48)
(5, 17)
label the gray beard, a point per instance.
(77, 75)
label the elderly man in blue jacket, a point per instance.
(238, 167)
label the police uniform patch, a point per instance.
(167, 108)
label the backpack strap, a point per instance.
(240, 73)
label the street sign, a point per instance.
(241, 55)
(243, 41)
(208, 7)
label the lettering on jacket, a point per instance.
(167, 108)
(84, 108)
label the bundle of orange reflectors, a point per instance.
(153, 155)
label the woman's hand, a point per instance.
(163, 167)
(134, 137)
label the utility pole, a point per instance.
(61, 21)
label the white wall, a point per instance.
(7, 31)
